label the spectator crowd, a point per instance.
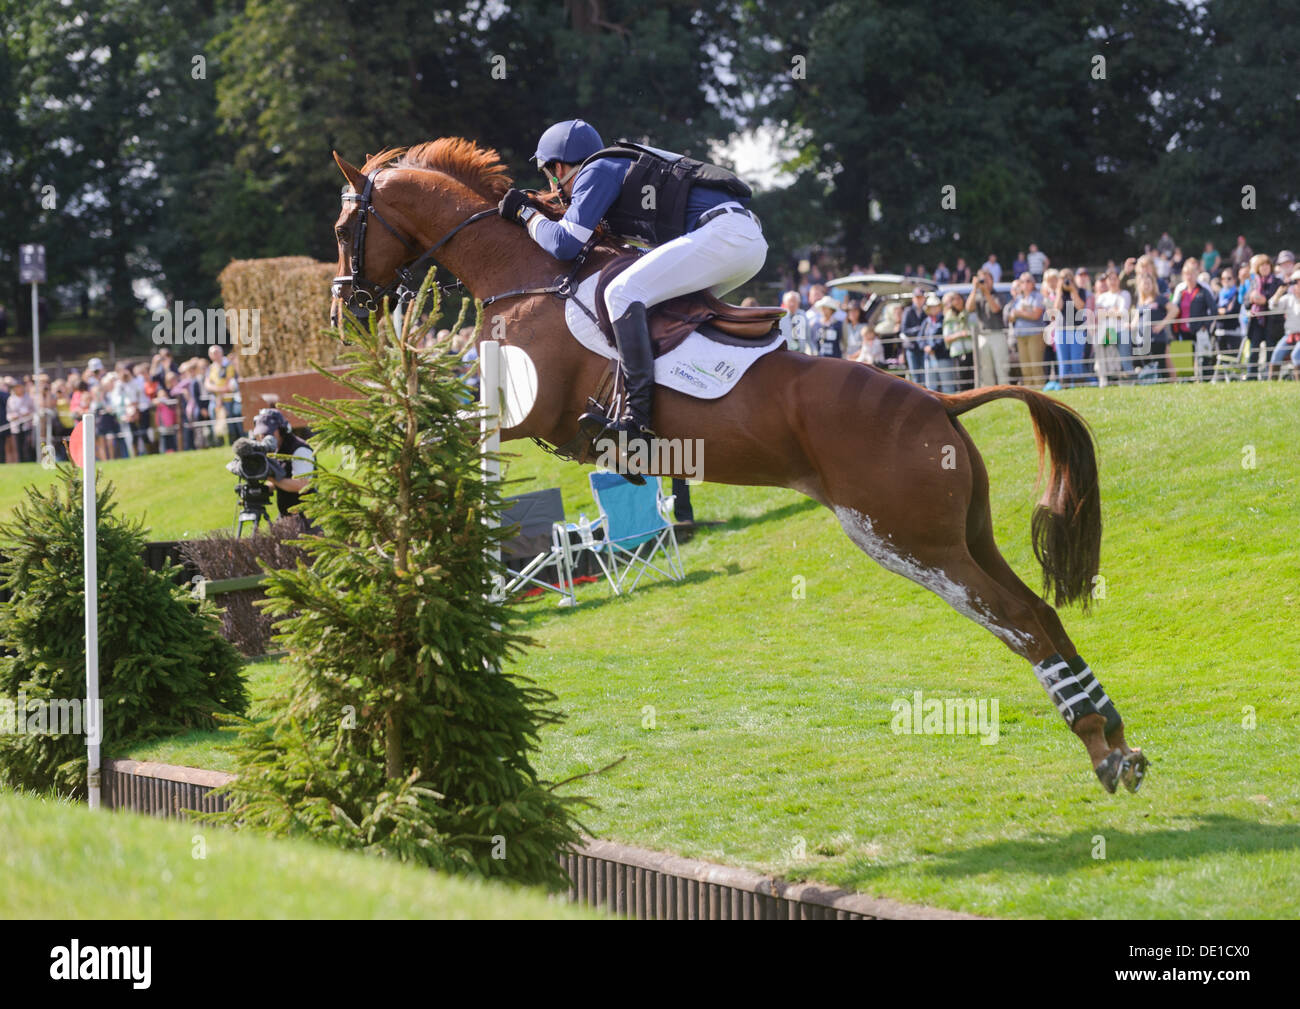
(1054, 327)
(158, 407)
(161, 406)
(1051, 327)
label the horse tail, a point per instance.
(1066, 527)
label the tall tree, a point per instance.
(103, 105)
(300, 78)
(971, 135)
(1234, 130)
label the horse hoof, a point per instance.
(1133, 769)
(1108, 771)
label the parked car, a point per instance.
(876, 291)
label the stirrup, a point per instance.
(628, 430)
(594, 424)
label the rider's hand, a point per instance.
(514, 201)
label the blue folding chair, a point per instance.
(636, 527)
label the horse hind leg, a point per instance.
(954, 575)
(1130, 767)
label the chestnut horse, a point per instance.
(887, 457)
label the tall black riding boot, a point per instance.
(632, 336)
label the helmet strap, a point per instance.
(567, 176)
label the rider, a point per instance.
(694, 215)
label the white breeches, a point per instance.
(718, 257)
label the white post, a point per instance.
(36, 368)
(489, 397)
(91, 720)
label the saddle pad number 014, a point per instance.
(698, 366)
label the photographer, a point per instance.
(1069, 305)
(289, 488)
(1026, 318)
(985, 313)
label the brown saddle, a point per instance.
(674, 320)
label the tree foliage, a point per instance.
(997, 101)
(165, 176)
(105, 126)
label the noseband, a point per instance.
(366, 297)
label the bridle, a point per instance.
(366, 297)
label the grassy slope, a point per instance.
(772, 715)
(179, 496)
(64, 861)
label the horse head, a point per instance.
(420, 198)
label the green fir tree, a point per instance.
(163, 665)
(401, 732)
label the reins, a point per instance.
(366, 296)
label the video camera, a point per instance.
(253, 464)
(252, 460)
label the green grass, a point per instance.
(63, 861)
(178, 496)
(772, 714)
(771, 746)
(199, 748)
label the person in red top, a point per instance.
(1195, 302)
(80, 401)
(166, 413)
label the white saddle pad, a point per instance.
(698, 366)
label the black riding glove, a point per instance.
(513, 202)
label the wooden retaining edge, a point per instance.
(170, 772)
(630, 868)
(748, 881)
(161, 789)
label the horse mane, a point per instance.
(478, 168)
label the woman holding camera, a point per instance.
(1068, 306)
(984, 312)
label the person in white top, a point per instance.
(1163, 267)
(1037, 262)
(1113, 340)
(1287, 299)
(872, 350)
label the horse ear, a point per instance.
(355, 179)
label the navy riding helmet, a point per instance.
(572, 141)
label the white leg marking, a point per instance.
(959, 597)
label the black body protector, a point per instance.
(670, 177)
(651, 208)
